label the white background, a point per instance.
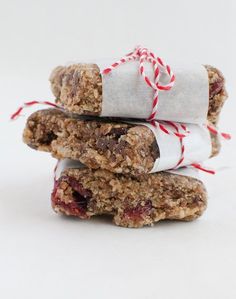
(43, 255)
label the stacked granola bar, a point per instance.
(107, 165)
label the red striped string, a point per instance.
(16, 114)
(163, 128)
(200, 167)
(215, 131)
(144, 55)
(181, 140)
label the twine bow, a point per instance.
(159, 66)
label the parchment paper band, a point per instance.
(197, 146)
(67, 163)
(126, 94)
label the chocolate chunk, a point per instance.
(102, 144)
(47, 138)
(120, 148)
(155, 153)
(118, 132)
(105, 144)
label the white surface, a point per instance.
(43, 255)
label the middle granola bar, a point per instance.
(115, 146)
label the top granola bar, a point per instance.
(79, 89)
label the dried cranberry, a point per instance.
(79, 188)
(216, 87)
(80, 195)
(139, 211)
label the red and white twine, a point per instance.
(159, 66)
(215, 131)
(161, 125)
(200, 167)
(16, 114)
(182, 153)
(182, 146)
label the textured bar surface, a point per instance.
(114, 146)
(131, 201)
(78, 88)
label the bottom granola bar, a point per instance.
(131, 201)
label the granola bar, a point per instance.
(131, 201)
(78, 88)
(115, 146)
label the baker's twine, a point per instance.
(182, 153)
(159, 66)
(16, 114)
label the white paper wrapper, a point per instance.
(187, 171)
(67, 163)
(197, 144)
(126, 94)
